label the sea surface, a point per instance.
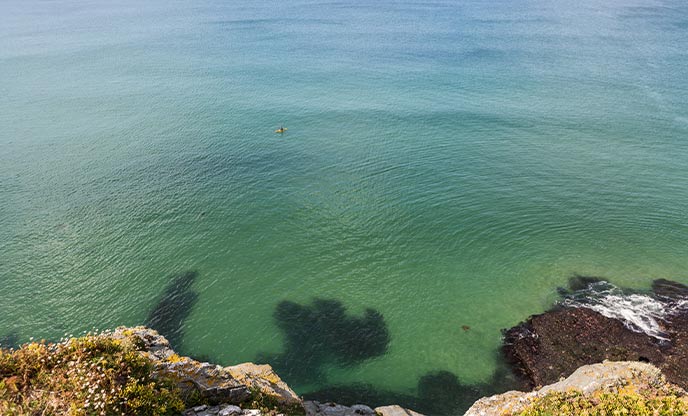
(447, 166)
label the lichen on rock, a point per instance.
(214, 384)
(262, 381)
(588, 389)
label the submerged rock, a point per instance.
(174, 306)
(324, 333)
(588, 381)
(608, 325)
(10, 340)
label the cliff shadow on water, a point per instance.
(10, 340)
(438, 392)
(173, 307)
(324, 334)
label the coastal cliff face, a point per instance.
(134, 371)
(214, 384)
(245, 389)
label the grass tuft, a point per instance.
(92, 375)
(606, 404)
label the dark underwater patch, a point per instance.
(360, 393)
(174, 306)
(437, 393)
(10, 340)
(323, 333)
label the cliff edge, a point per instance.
(622, 387)
(134, 371)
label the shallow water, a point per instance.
(446, 164)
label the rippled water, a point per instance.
(447, 164)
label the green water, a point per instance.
(446, 164)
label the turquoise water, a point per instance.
(446, 164)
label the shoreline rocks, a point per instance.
(639, 337)
(554, 344)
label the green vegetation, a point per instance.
(269, 405)
(92, 375)
(607, 404)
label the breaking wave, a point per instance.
(639, 312)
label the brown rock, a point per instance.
(669, 290)
(554, 344)
(263, 379)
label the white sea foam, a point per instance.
(639, 312)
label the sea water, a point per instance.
(447, 164)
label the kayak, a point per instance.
(280, 130)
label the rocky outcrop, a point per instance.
(314, 408)
(214, 384)
(236, 390)
(554, 344)
(221, 410)
(395, 410)
(262, 380)
(607, 377)
(211, 383)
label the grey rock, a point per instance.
(395, 410)
(314, 408)
(311, 407)
(202, 410)
(211, 382)
(230, 410)
(606, 377)
(263, 379)
(361, 409)
(334, 409)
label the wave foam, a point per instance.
(639, 312)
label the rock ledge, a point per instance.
(231, 391)
(606, 377)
